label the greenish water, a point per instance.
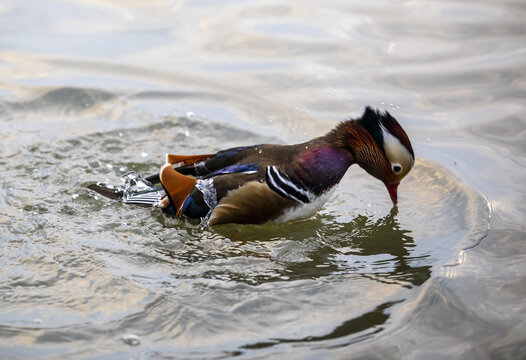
(90, 90)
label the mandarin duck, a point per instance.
(278, 183)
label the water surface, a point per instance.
(90, 90)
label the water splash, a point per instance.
(138, 190)
(134, 190)
(131, 339)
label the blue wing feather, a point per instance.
(249, 168)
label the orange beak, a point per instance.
(393, 192)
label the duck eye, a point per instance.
(397, 168)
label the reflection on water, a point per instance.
(377, 249)
(368, 323)
(90, 90)
(382, 237)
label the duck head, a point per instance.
(381, 147)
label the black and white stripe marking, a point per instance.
(283, 186)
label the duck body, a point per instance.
(263, 183)
(277, 183)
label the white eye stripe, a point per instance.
(396, 152)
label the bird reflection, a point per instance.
(387, 242)
(379, 249)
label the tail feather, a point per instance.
(106, 190)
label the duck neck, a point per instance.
(361, 146)
(323, 162)
(351, 137)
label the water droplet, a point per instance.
(74, 196)
(260, 151)
(144, 154)
(109, 166)
(131, 339)
(96, 197)
(306, 146)
(122, 169)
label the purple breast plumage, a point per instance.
(322, 168)
(318, 171)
